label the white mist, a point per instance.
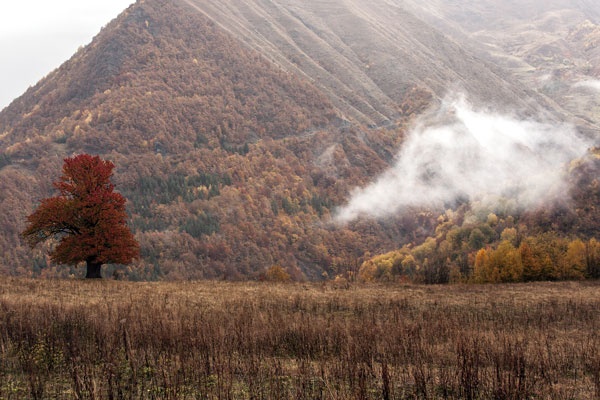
(473, 154)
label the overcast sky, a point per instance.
(37, 36)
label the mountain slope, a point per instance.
(366, 56)
(228, 161)
(144, 59)
(237, 127)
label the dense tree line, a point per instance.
(487, 250)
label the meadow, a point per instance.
(73, 339)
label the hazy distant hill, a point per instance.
(551, 46)
(238, 126)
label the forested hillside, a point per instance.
(230, 164)
(237, 129)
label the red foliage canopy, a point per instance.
(88, 217)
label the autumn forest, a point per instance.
(233, 167)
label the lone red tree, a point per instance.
(88, 218)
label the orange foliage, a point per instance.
(88, 218)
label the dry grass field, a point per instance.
(213, 340)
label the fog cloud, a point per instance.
(589, 84)
(466, 153)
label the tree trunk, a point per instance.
(94, 270)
